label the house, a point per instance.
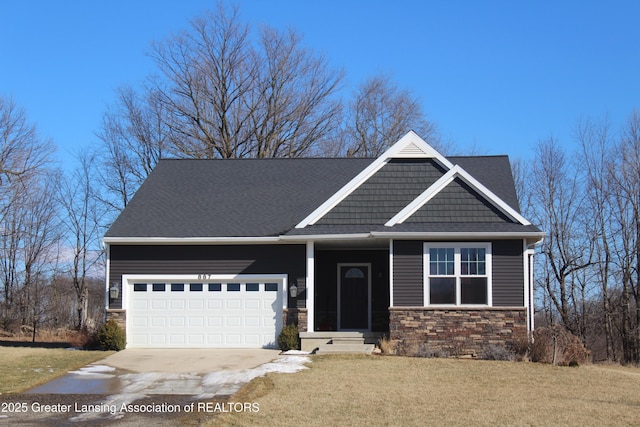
(223, 253)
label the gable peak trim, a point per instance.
(409, 146)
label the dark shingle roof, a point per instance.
(231, 198)
(268, 197)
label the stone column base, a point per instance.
(297, 316)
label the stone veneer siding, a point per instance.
(458, 331)
(297, 316)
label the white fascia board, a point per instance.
(456, 235)
(317, 237)
(395, 151)
(190, 240)
(440, 184)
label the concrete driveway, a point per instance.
(185, 378)
(195, 361)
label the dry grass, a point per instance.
(22, 368)
(370, 390)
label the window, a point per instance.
(195, 287)
(253, 287)
(233, 287)
(215, 287)
(271, 287)
(158, 287)
(139, 287)
(177, 287)
(457, 274)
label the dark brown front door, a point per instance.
(353, 296)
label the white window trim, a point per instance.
(457, 246)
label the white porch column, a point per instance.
(310, 284)
(390, 272)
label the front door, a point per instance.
(354, 297)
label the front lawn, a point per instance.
(22, 368)
(376, 390)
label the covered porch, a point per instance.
(347, 295)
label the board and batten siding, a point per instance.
(209, 259)
(508, 273)
(407, 273)
(507, 268)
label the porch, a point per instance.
(349, 306)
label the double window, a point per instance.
(457, 274)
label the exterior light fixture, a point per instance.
(293, 290)
(114, 290)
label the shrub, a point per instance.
(497, 352)
(288, 338)
(111, 336)
(386, 345)
(554, 344)
(416, 348)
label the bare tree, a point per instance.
(25, 213)
(83, 218)
(598, 161)
(380, 114)
(23, 152)
(626, 194)
(566, 250)
(134, 137)
(227, 97)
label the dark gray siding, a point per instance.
(387, 192)
(508, 273)
(458, 203)
(407, 274)
(224, 259)
(507, 281)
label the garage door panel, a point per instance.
(177, 304)
(160, 322)
(177, 321)
(214, 304)
(196, 304)
(158, 304)
(140, 304)
(220, 314)
(233, 304)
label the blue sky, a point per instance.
(497, 75)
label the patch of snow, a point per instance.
(295, 352)
(229, 382)
(98, 368)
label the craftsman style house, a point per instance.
(223, 253)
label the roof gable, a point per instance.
(373, 197)
(409, 146)
(388, 191)
(457, 174)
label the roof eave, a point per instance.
(190, 240)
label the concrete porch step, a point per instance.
(347, 340)
(339, 341)
(345, 348)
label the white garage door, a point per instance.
(174, 312)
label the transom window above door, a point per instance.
(457, 274)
